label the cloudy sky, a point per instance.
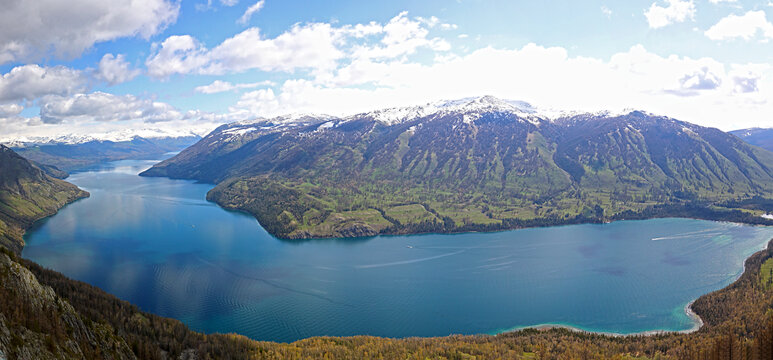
(95, 67)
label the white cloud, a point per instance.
(342, 69)
(114, 69)
(104, 116)
(721, 1)
(606, 11)
(29, 82)
(252, 9)
(311, 46)
(745, 26)
(316, 47)
(702, 79)
(219, 86)
(8, 110)
(34, 29)
(701, 90)
(229, 2)
(178, 54)
(747, 78)
(91, 109)
(100, 106)
(676, 11)
(401, 36)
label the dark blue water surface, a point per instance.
(159, 244)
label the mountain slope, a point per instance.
(473, 164)
(35, 323)
(27, 194)
(757, 137)
(44, 315)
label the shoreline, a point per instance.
(497, 230)
(696, 319)
(698, 322)
(683, 211)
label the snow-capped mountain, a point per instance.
(113, 136)
(466, 110)
(470, 106)
(506, 160)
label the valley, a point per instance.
(521, 344)
(394, 180)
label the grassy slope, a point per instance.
(495, 173)
(293, 209)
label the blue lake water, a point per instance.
(159, 244)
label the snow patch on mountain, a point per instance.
(474, 107)
(114, 136)
(288, 119)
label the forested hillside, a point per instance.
(477, 164)
(27, 194)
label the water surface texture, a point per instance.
(159, 244)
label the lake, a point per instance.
(158, 243)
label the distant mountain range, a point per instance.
(111, 136)
(472, 164)
(757, 137)
(59, 158)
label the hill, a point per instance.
(470, 165)
(757, 137)
(27, 194)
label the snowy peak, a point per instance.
(287, 119)
(238, 129)
(470, 105)
(114, 136)
(489, 103)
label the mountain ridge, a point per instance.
(44, 315)
(75, 156)
(761, 137)
(478, 164)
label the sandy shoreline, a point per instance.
(697, 324)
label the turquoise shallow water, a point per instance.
(157, 243)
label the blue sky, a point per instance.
(160, 65)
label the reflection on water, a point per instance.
(157, 243)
